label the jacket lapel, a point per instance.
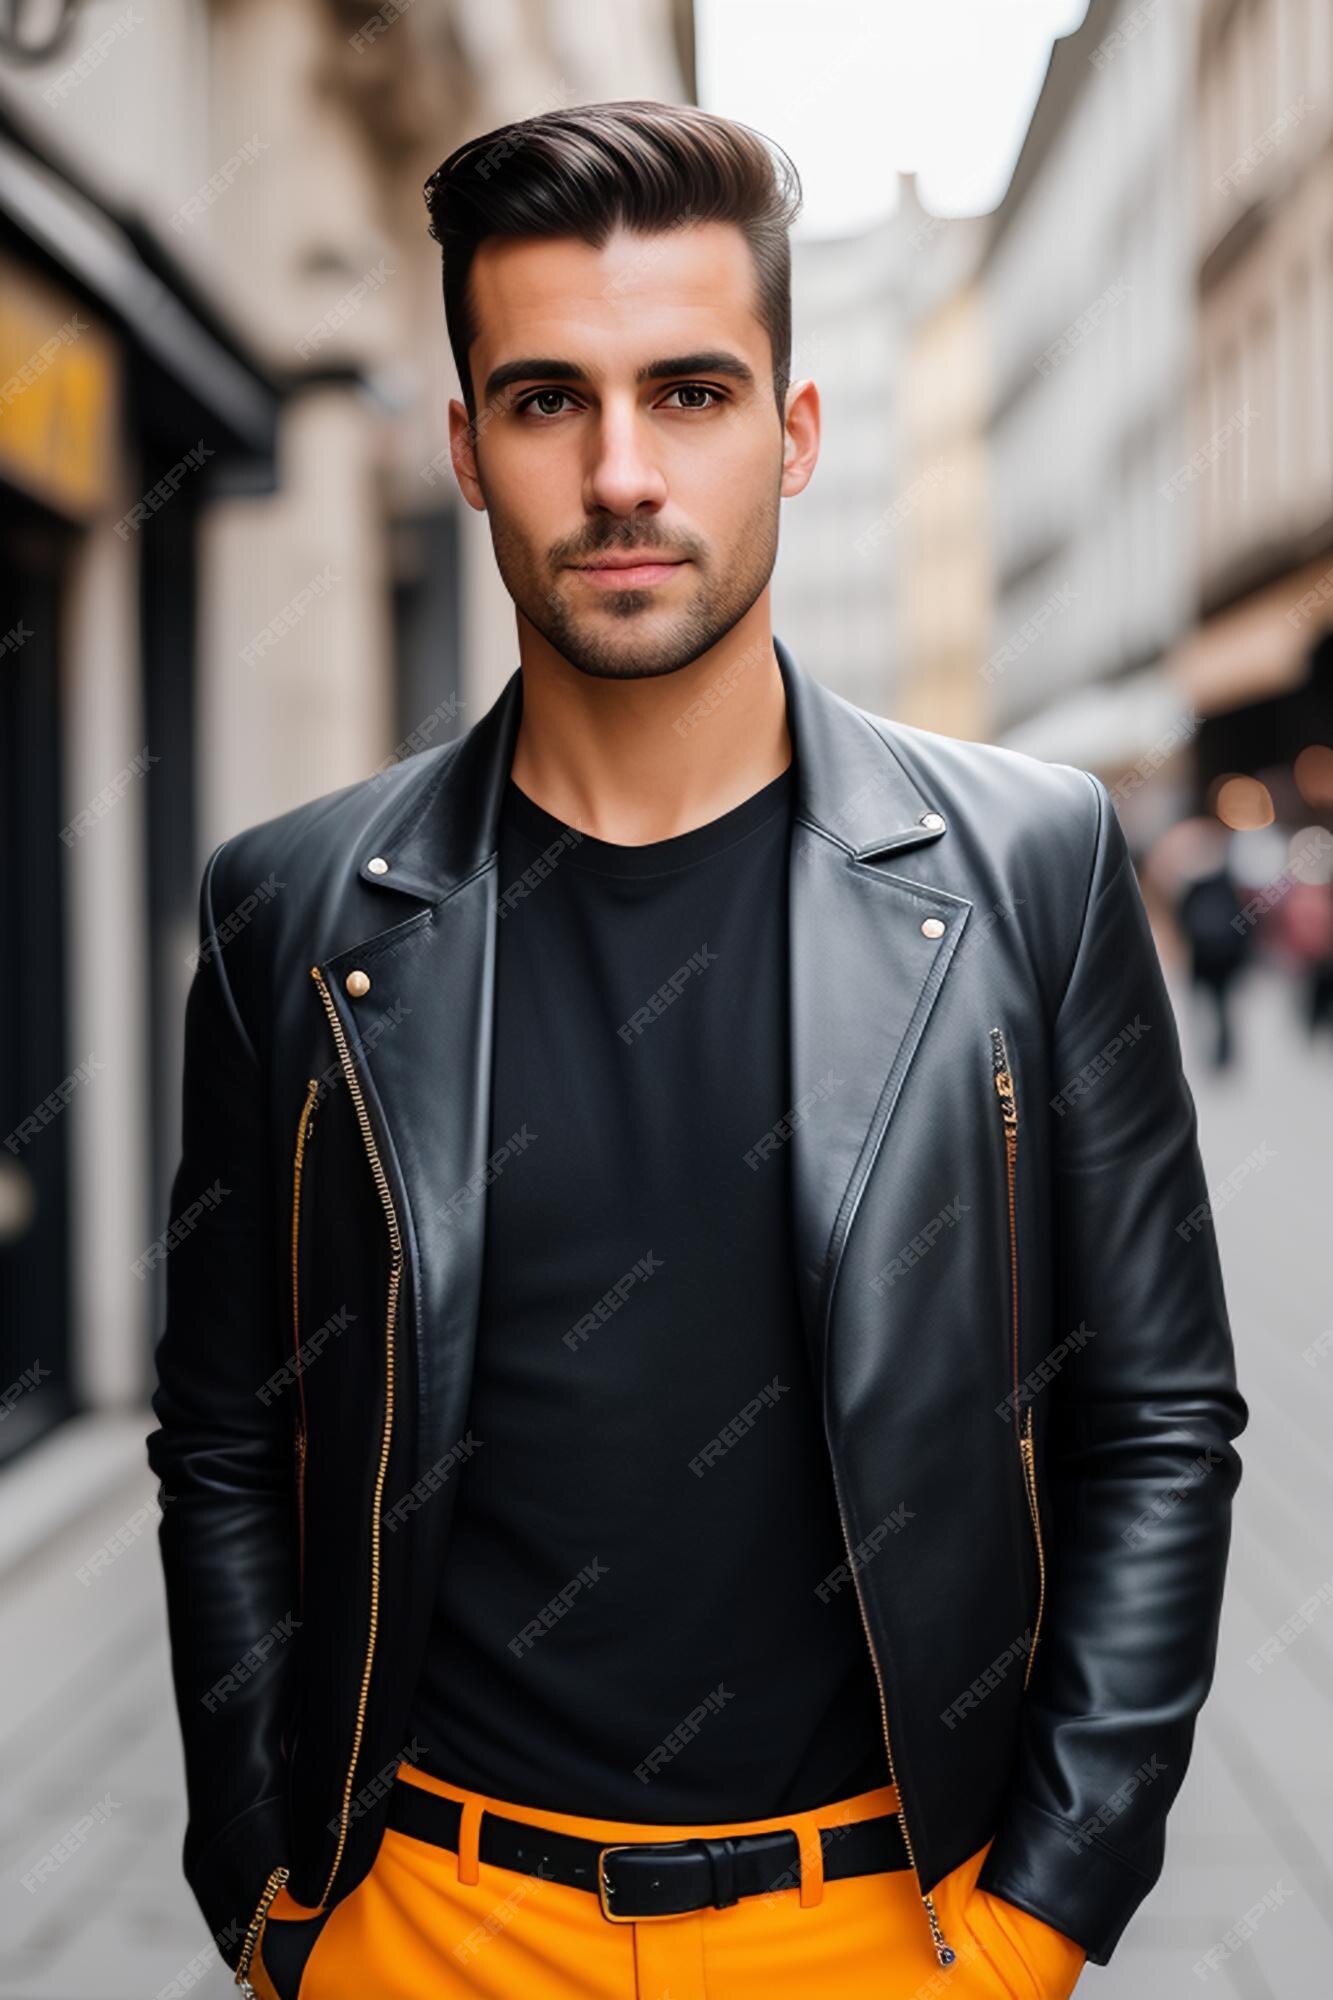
(863, 978)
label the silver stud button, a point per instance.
(933, 822)
(932, 928)
(378, 865)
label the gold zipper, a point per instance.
(302, 1135)
(944, 1951)
(395, 1279)
(1003, 1077)
(275, 1881)
(1030, 1467)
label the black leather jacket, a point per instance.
(1003, 1247)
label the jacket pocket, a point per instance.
(1006, 1092)
(299, 1234)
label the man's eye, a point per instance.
(528, 402)
(697, 389)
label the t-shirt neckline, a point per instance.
(653, 857)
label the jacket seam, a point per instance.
(216, 952)
(1098, 845)
(1103, 1846)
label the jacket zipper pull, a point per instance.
(944, 1951)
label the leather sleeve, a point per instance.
(1138, 1470)
(222, 1454)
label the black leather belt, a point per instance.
(638, 1880)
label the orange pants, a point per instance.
(428, 1922)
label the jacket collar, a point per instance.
(850, 786)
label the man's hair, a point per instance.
(638, 164)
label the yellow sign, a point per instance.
(59, 382)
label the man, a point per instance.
(696, 1430)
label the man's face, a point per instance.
(579, 462)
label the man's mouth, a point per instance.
(626, 571)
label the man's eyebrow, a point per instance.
(707, 361)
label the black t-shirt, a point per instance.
(628, 1624)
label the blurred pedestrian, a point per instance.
(1219, 940)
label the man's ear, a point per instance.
(800, 438)
(463, 434)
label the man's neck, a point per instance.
(640, 760)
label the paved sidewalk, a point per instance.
(88, 1738)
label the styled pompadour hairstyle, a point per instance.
(635, 164)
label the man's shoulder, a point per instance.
(320, 833)
(1008, 794)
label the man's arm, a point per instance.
(1140, 1469)
(223, 1457)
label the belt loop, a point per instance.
(722, 1856)
(469, 1840)
(812, 1863)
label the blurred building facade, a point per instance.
(944, 510)
(234, 567)
(1087, 283)
(835, 587)
(1258, 666)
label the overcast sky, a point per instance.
(855, 92)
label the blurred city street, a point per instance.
(91, 1734)
(1062, 277)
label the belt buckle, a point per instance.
(604, 1889)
